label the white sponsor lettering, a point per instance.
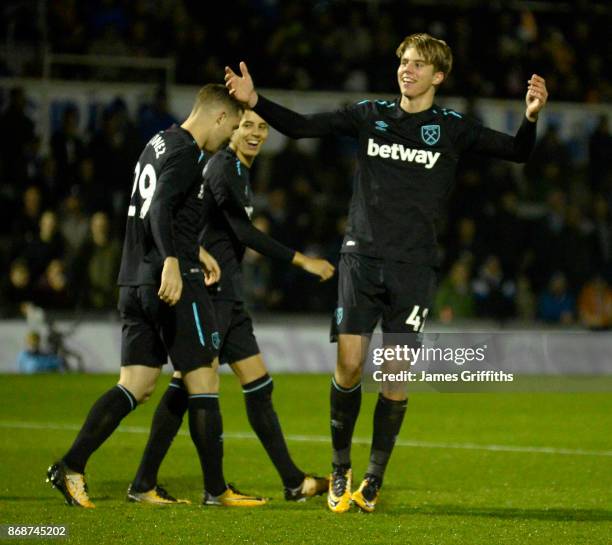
(399, 152)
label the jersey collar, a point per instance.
(398, 113)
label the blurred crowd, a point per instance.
(327, 44)
(531, 243)
(528, 243)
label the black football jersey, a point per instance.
(228, 230)
(406, 168)
(165, 215)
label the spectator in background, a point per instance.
(549, 150)
(16, 138)
(577, 241)
(466, 245)
(454, 299)
(52, 290)
(67, 149)
(525, 299)
(595, 304)
(155, 117)
(34, 360)
(602, 237)
(113, 160)
(47, 245)
(16, 289)
(547, 241)
(74, 226)
(97, 265)
(600, 154)
(509, 234)
(257, 274)
(26, 224)
(557, 305)
(494, 293)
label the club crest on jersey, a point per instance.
(430, 134)
(216, 340)
(339, 315)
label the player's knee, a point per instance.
(141, 391)
(202, 380)
(348, 373)
(349, 363)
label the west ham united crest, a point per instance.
(339, 315)
(430, 134)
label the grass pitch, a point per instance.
(468, 469)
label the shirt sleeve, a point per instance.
(253, 238)
(518, 148)
(176, 177)
(228, 201)
(343, 122)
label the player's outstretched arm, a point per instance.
(515, 148)
(314, 265)
(284, 120)
(536, 97)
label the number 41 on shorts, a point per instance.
(417, 318)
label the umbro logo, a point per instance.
(381, 125)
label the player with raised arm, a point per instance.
(163, 301)
(228, 231)
(407, 156)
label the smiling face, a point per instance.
(416, 76)
(250, 136)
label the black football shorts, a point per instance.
(152, 329)
(236, 329)
(371, 289)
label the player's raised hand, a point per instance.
(212, 271)
(314, 265)
(171, 286)
(536, 97)
(241, 87)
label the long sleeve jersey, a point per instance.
(228, 230)
(166, 211)
(405, 171)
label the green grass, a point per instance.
(432, 495)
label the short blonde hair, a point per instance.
(436, 52)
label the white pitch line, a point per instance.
(6, 424)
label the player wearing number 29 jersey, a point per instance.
(165, 308)
(165, 212)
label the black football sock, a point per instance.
(388, 418)
(345, 404)
(264, 421)
(166, 423)
(102, 420)
(206, 429)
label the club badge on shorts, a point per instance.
(339, 315)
